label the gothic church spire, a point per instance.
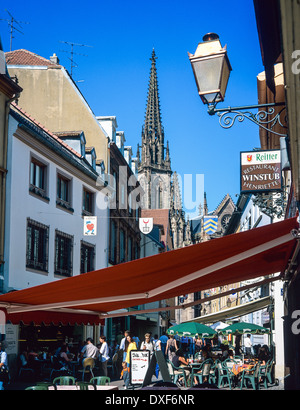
(153, 149)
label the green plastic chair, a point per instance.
(202, 371)
(176, 373)
(269, 371)
(262, 375)
(64, 380)
(251, 375)
(40, 387)
(85, 385)
(100, 380)
(43, 383)
(225, 375)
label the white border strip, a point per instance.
(59, 305)
(223, 264)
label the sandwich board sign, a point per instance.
(157, 358)
(139, 360)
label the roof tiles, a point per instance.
(25, 57)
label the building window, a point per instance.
(113, 243)
(37, 246)
(197, 308)
(38, 178)
(87, 259)
(87, 202)
(63, 254)
(122, 246)
(64, 192)
(129, 249)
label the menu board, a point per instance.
(139, 360)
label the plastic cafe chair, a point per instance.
(27, 372)
(202, 371)
(64, 380)
(88, 365)
(262, 375)
(100, 380)
(213, 374)
(269, 371)
(176, 373)
(85, 385)
(225, 375)
(252, 375)
(44, 383)
(38, 387)
(112, 364)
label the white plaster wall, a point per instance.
(21, 205)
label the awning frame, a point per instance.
(195, 302)
(155, 292)
(234, 258)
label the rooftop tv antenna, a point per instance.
(73, 64)
(11, 22)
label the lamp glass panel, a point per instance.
(208, 74)
(225, 77)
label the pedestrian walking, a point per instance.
(3, 368)
(164, 339)
(125, 375)
(147, 344)
(104, 355)
(123, 344)
(248, 345)
(171, 347)
(129, 345)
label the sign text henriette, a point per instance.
(261, 171)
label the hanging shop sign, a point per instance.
(261, 171)
(210, 224)
(146, 225)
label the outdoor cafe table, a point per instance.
(74, 387)
(239, 368)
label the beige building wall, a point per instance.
(52, 98)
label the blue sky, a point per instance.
(115, 71)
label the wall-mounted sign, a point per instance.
(261, 171)
(90, 226)
(146, 225)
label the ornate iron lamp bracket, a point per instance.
(265, 118)
(272, 203)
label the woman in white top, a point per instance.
(104, 352)
(147, 344)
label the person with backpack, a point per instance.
(171, 347)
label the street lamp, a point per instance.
(212, 69)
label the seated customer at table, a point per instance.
(180, 361)
(63, 357)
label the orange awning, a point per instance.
(230, 259)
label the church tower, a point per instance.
(161, 186)
(154, 164)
